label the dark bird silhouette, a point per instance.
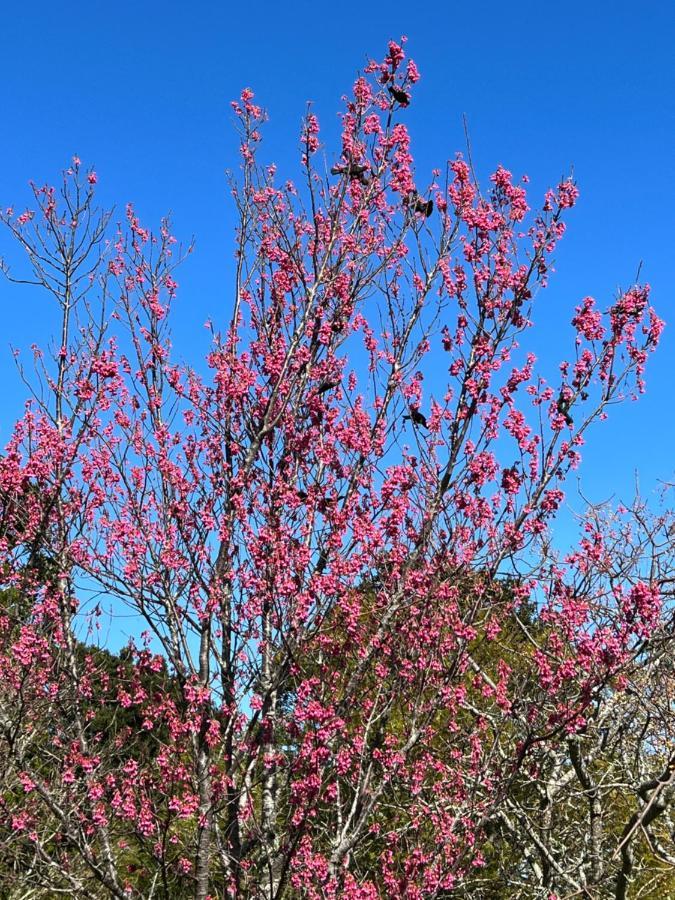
(326, 385)
(416, 417)
(399, 96)
(327, 503)
(564, 409)
(419, 204)
(425, 208)
(355, 171)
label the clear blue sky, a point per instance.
(142, 90)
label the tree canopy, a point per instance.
(363, 670)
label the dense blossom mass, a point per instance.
(357, 652)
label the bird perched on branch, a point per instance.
(419, 204)
(355, 171)
(416, 417)
(401, 97)
(563, 406)
(426, 208)
(326, 385)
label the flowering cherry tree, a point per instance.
(354, 639)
